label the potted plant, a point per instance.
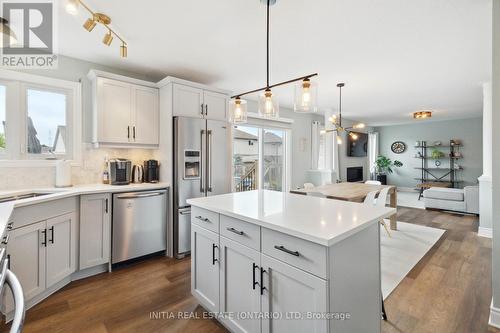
(384, 166)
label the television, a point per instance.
(357, 147)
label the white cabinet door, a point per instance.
(114, 110)
(61, 247)
(26, 250)
(146, 115)
(188, 101)
(216, 105)
(95, 230)
(239, 285)
(292, 291)
(205, 267)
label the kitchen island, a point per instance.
(266, 261)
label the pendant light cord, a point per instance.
(267, 47)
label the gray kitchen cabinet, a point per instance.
(95, 230)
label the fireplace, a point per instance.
(355, 174)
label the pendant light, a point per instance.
(306, 95)
(238, 111)
(268, 104)
(6, 33)
(337, 121)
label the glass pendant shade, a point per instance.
(268, 105)
(238, 111)
(7, 34)
(306, 96)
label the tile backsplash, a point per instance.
(88, 172)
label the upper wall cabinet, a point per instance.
(125, 113)
(199, 103)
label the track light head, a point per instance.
(108, 38)
(90, 24)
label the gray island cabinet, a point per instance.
(265, 261)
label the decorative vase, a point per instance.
(382, 179)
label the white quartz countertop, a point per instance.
(319, 220)
(6, 208)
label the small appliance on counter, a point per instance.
(63, 173)
(137, 174)
(151, 171)
(120, 171)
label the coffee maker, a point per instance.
(151, 171)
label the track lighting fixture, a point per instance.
(89, 25)
(108, 38)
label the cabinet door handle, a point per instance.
(238, 232)
(202, 112)
(284, 249)
(201, 218)
(133, 130)
(206, 109)
(128, 132)
(6, 239)
(214, 260)
(106, 206)
(262, 288)
(44, 233)
(52, 234)
(254, 282)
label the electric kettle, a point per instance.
(137, 173)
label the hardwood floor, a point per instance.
(449, 290)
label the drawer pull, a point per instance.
(204, 219)
(238, 232)
(284, 249)
(10, 226)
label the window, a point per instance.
(40, 119)
(322, 150)
(259, 158)
(46, 122)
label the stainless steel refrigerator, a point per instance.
(200, 169)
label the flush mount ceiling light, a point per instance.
(89, 25)
(422, 114)
(305, 92)
(337, 121)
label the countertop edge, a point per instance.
(295, 233)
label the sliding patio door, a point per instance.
(259, 158)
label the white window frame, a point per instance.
(16, 117)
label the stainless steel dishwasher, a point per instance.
(139, 224)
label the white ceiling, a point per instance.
(395, 56)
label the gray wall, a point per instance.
(468, 130)
(301, 130)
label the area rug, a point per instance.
(401, 252)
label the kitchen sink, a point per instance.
(23, 196)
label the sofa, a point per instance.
(464, 200)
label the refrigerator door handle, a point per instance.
(209, 168)
(202, 176)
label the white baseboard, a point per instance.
(494, 316)
(485, 232)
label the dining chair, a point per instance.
(370, 198)
(308, 186)
(373, 182)
(381, 202)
